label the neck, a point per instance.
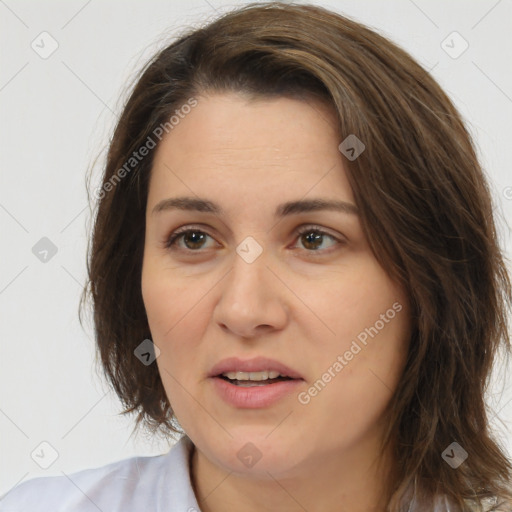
(348, 481)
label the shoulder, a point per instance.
(134, 481)
(84, 490)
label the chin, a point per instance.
(257, 451)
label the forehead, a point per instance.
(238, 127)
(260, 144)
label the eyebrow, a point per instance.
(285, 209)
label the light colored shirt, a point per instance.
(139, 484)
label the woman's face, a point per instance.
(267, 271)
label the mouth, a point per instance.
(256, 383)
(251, 379)
(259, 371)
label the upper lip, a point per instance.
(257, 364)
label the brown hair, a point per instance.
(426, 211)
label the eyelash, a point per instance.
(171, 240)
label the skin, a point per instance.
(301, 306)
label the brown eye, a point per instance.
(313, 238)
(193, 239)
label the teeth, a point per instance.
(252, 375)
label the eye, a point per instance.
(192, 238)
(312, 238)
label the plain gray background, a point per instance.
(57, 112)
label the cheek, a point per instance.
(169, 299)
(355, 398)
(369, 320)
(174, 313)
(176, 316)
(348, 302)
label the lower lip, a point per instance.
(254, 397)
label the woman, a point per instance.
(294, 264)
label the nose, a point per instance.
(252, 299)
